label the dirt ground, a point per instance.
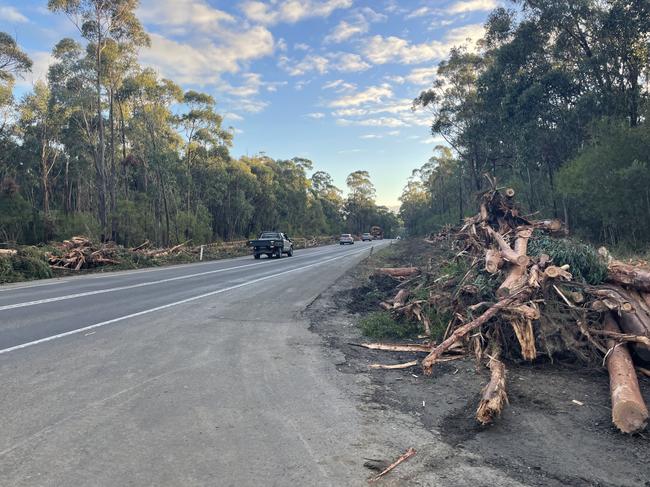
(542, 439)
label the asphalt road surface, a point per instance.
(200, 374)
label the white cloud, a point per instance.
(422, 76)
(371, 136)
(311, 62)
(41, 61)
(382, 50)
(465, 6)
(301, 46)
(233, 116)
(186, 63)
(291, 11)
(373, 122)
(316, 115)
(344, 30)
(11, 14)
(358, 24)
(374, 94)
(348, 62)
(182, 15)
(420, 12)
(339, 86)
(337, 61)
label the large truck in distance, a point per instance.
(376, 232)
(271, 244)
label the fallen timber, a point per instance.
(540, 306)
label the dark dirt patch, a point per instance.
(542, 439)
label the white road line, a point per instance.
(130, 286)
(171, 305)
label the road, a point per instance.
(200, 374)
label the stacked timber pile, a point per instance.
(80, 253)
(514, 305)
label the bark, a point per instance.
(400, 298)
(398, 271)
(629, 412)
(493, 396)
(493, 261)
(628, 275)
(517, 273)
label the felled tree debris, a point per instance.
(80, 253)
(511, 304)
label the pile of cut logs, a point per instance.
(612, 319)
(79, 253)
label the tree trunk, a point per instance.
(628, 275)
(100, 153)
(629, 412)
(113, 178)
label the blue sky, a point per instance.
(330, 80)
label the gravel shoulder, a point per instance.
(542, 439)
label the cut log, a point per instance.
(551, 226)
(629, 275)
(555, 272)
(400, 298)
(396, 347)
(493, 396)
(509, 192)
(398, 271)
(629, 412)
(7, 252)
(493, 261)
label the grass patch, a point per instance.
(380, 326)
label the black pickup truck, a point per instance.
(273, 244)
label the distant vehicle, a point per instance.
(346, 239)
(377, 233)
(398, 238)
(366, 237)
(272, 244)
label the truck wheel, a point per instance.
(268, 255)
(257, 256)
(290, 253)
(279, 254)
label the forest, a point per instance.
(553, 101)
(108, 149)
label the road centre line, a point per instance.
(130, 286)
(176, 303)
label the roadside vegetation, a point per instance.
(553, 102)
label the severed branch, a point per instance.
(409, 453)
(460, 332)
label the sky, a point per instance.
(329, 80)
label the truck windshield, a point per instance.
(270, 235)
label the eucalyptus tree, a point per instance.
(101, 23)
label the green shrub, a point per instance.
(28, 263)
